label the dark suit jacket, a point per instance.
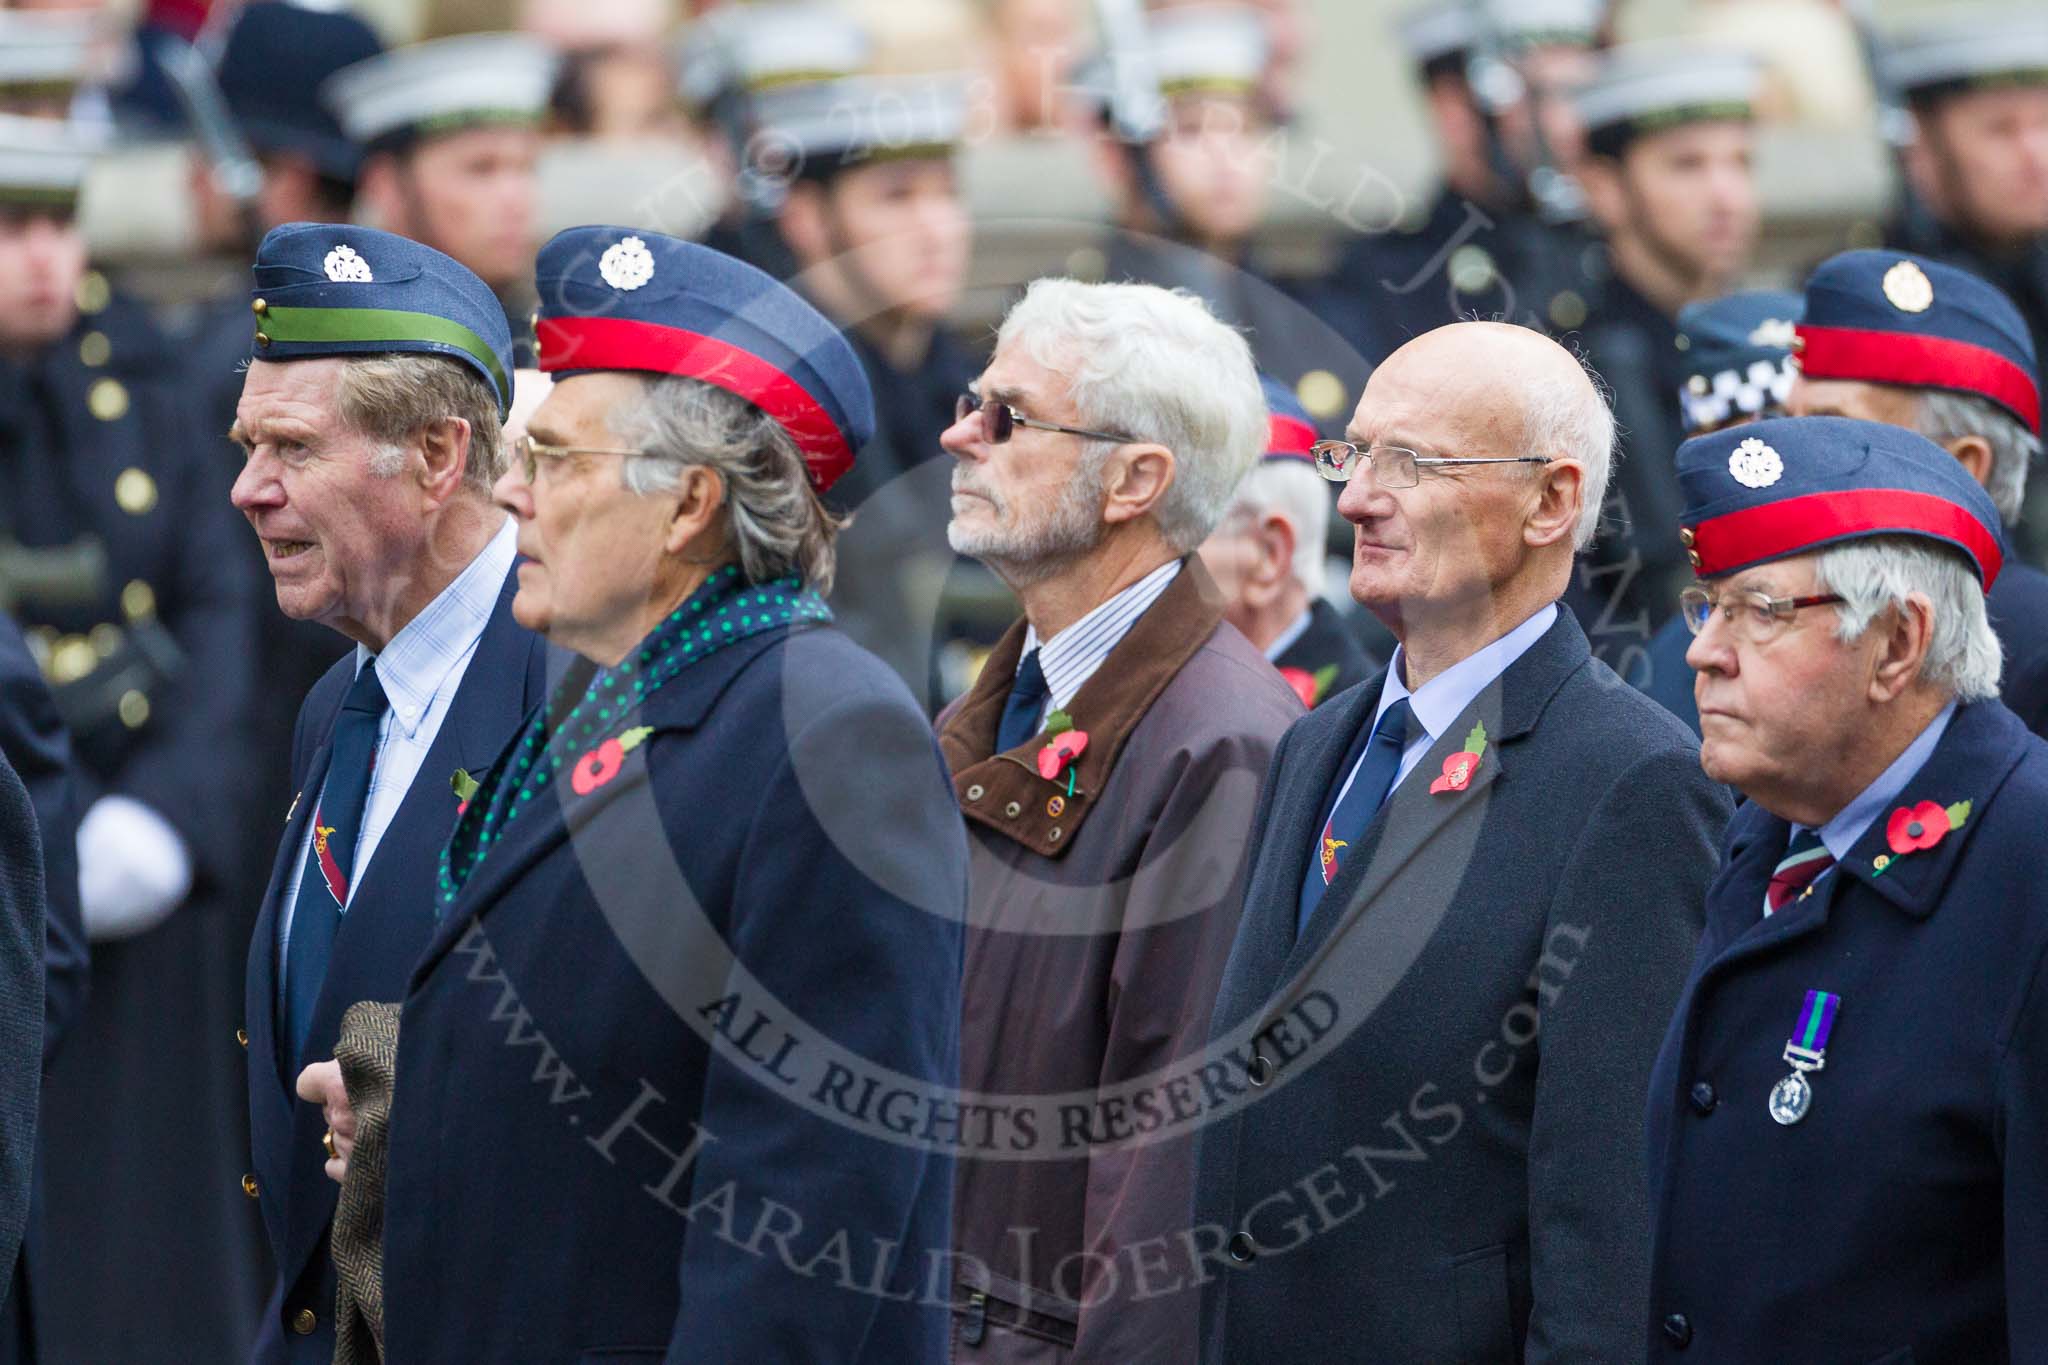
(1432, 1155)
(390, 919)
(2018, 607)
(1905, 1218)
(781, 859)
(21, 1007)
(33, 738)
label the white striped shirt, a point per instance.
(421, 670)
(1071, 657)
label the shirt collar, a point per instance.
(1439, 702)
(1071, 657)
(1289, 635)
(417, 662)
(1841, 833)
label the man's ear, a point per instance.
(1560, 498)
(802, 220)
(1112, 161)
(1904, 635)
(1973, 453)
(1606, 199)
(1274, 535)
(444, 456)
(379, 192)
(1139, 475)
(693, 525)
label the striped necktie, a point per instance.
(1805, 859)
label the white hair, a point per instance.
(1963, 655)
(1291, 489)
(1155, 365)
(1577, 422)
(1945, 416)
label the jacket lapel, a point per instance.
(1413, 816)
(1108, 707)
(1311, 754)
(681, 704)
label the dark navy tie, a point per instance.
(1026, 704)
(1348, 822)
(324, 880)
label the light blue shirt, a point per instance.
(1071, 657)
(1438, 703)
(421, 670)
(1289, 636)
(1852, 821)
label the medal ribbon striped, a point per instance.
(1816, 1021)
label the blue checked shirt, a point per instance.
(421, 670)
(1071, 657)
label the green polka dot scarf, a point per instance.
(591, 721)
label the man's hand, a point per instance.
(321, 1084)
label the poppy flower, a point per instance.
(1457, 774)
(597, 767)
(1912, 828)
(1064, 749)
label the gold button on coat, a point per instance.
(303, 1322)
(135, 492)
(249, 1186)
(94, 350)
(107, 399)
(242, 1036)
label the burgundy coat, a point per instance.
(1099, 924)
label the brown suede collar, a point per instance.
(1004, 791)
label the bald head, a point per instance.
(1506, 390)
(1511, 437)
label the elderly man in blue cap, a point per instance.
(369, 426)
(713, 890)
(1891, 337)
(1738, 368)
(1848, 1126)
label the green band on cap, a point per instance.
(40, 197)
(373, 325)
(1661, 120)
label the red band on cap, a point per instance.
(1288, 436)
(619, 344)
(1928, 362)
(1778, 529)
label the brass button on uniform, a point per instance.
(303, 1322)
(1685, 536)
(94, 350)
(133, 709)
(107, 399)
(93, 294)
(138, 600)
(1567, 309)
(976, 792)
(249, 1186)
(260, 307)
(263, 338)
(242, 1036)
(135, 492)
(1322, 393)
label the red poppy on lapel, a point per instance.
(602, 764)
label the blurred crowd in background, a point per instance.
(1335, 177)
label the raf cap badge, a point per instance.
(626, 264)
(343, 266)
(1908, 288)
(1755, 465)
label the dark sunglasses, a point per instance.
(999, 421)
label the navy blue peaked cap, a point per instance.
(1890, 317)
(1787, 485)
(325, 289)
(1738, 356)
(616, 298)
